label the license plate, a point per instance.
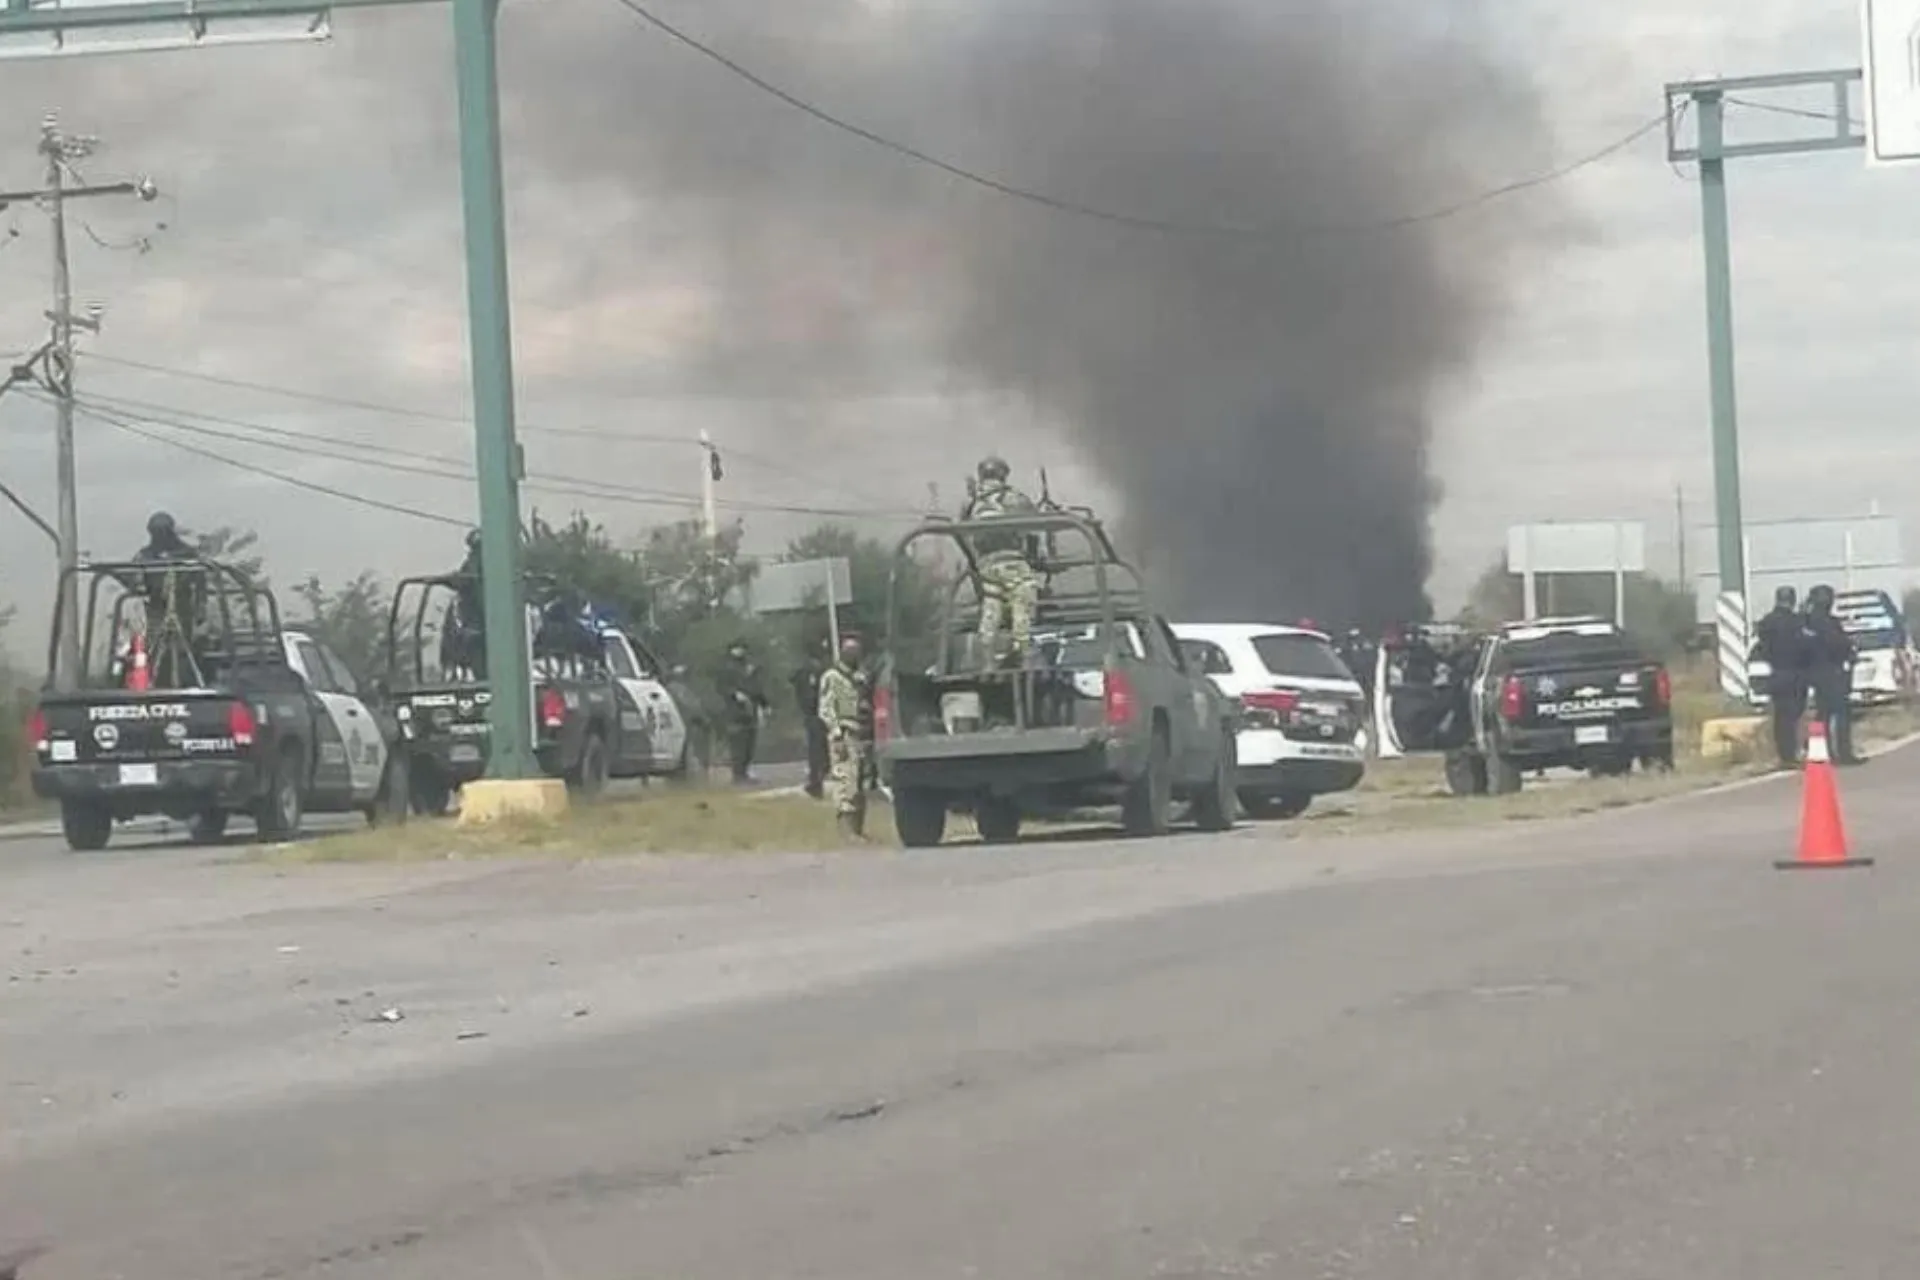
(1590, 735)
(139, 775)
(1328, 709)
(465, 755)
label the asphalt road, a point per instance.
(1621, 1046)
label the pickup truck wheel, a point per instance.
(87, 827)
(920, 816)
(589, 774)
(1148, 806)
(279, 812)
(1215, 806)
(394, 802)
(1503, 776)
(998, 818)
(209, 826)
(431, 795)
(1466, 774)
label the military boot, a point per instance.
(858, 820)
(849, 825)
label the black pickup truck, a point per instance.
(438, 684)
(205, 709)
(1552, 693)
(1103, 709)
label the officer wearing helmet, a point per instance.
(463, 641)
(172, 600)
(1008, 582)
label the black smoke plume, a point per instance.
(1263, 404)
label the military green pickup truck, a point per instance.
(1101, 710)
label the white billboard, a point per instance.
(1859, 553)
(1890, 56)
(1611, 546)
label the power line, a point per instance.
(1137, 222)
(303, 444)
(447, 419)
(298, 483)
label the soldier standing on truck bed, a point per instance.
(1007, 577)
(846, 743)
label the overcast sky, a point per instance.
(311, 241)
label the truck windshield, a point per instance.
(1571, 649)
(1295, 655)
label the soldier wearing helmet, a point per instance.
(1008, 582)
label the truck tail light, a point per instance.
(882, 713)
(1268, 708)
(1662, 687)
(1119, 700)
(37, 730)
(553, 709)
(240, 725)
(1513, 698)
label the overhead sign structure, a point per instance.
(1890, 56)
(1618, 547)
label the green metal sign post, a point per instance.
(1708, 100)
(181, 24)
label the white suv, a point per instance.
(1303, 715)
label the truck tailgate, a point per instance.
(1589, 695)
(109, 726)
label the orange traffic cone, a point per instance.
(1823, 838)
(137, 678)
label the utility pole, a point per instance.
(60, 151)
(710, 473)
(1680, 533)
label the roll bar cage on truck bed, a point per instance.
(1103, 711)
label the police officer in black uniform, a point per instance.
(1781, 641)
(173, 601)
(1830, 672)
(743, 697)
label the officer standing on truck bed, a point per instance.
(1830, 672)
(1781, 641)
(172, 604)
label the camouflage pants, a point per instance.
(846, 762)
(1009, 584)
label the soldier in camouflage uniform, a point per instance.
(846, 742)
(1007, 577)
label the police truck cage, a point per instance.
(1087, 595)
(441, 615)
(192, 621)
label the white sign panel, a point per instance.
(1890, 37)
(1577, 547)
(801, 584)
